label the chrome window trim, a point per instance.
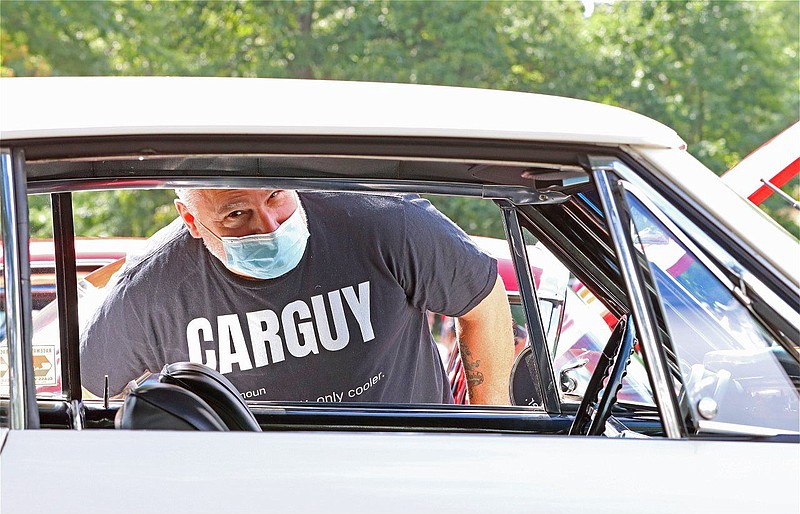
(662, 384)
(22, 410)
(530, 303)
(355, 156)
(775, 302)
(518, 195)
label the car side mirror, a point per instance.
(567, 377)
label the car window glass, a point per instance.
(480, 219)
(551, 279)
(104, 222)
(733, 371)
(578, 326)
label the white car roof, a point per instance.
(104, 106)
(53, 107)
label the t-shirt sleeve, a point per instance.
(443, 270)
(114, 343)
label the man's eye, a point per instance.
(235, 214)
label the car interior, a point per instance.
(538, 194)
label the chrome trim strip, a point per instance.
(78, 414)
(775, 302)
(224, 182)
(662, 383)
(516, 194)
(389, 157)
(530, 303)
(718, 427)
(22, 411)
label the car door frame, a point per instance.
(61, 201)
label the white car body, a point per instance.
(164, 105)
(372, 470)
(386, 473)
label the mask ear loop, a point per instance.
(208, 229)
(224, 260)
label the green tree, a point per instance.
(107, 213)
(724, 74)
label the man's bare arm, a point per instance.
(486, 339)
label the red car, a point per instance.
(95, 260)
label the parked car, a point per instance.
(768, 168)
(91, 254)
(701, 285)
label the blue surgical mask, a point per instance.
(270, 255)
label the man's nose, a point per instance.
(267, 221)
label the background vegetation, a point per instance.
(724, 74)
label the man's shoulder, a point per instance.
(366, 206)
(166, 250)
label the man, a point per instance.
(311, 297)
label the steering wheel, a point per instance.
(594, 410)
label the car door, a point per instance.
(454, 468)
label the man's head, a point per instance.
(219, 216)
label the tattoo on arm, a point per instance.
(474, 377)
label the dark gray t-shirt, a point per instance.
(347, 324)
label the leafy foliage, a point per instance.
(724, 74)
(476, 217)
(107, 213)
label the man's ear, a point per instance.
(188, 219)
